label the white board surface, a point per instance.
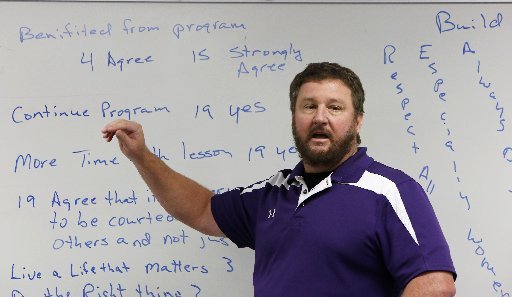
(209, 82)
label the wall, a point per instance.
(209, 83)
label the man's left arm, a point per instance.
(431, 284)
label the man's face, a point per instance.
(324, 124)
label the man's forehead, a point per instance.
(325, 84)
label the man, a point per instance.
(338, 224)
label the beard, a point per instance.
(338, 149)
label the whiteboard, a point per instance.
(209, 83)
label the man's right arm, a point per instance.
(183, 198)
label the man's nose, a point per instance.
(320, 115)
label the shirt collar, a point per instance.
(349, 171)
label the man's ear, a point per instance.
(359, 122)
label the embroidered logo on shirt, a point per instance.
(271, 213)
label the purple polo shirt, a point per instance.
(365, 230)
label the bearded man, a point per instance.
(338, 224)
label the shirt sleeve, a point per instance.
(405, 256)
(235, 216)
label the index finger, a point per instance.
(111, 128)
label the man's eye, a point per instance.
(336, 108)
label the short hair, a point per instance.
(325, 70)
